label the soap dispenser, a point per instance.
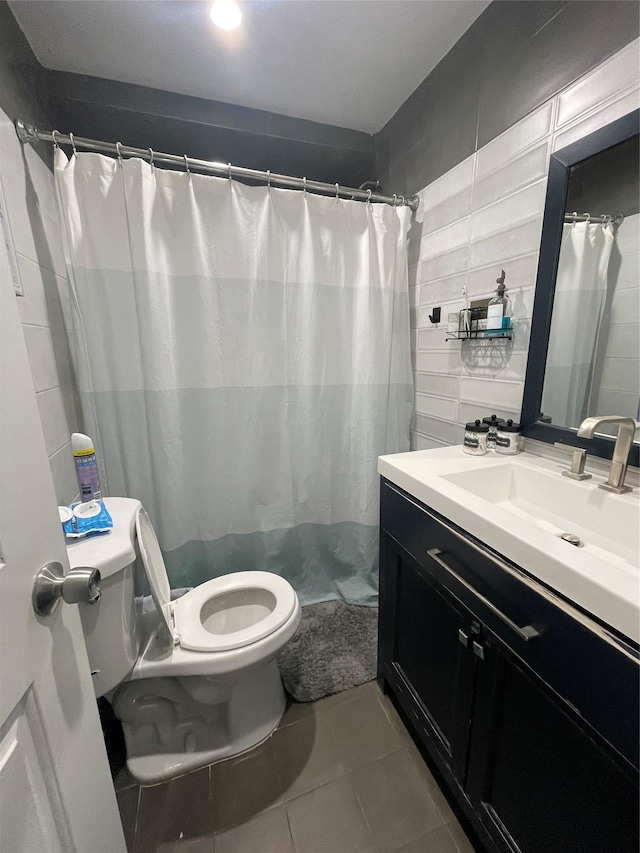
(499, 309)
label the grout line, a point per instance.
(482, 267)
(67, 444)
(443, 420)
(57, 450)
(50, 387)
(41, 266)
(455, 844)
(54, 388)
(600, 107)
(438, 231)
(509, 160)
(286, 814)
(55, 327)
(136, 820)
(455, 398)
(37, 262)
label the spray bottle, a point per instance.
(84, 456)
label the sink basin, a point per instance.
(558, 506)
(521, 506)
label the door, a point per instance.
(55, 787)
(540, 780)
(428, 654)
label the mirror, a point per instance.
(584, 357)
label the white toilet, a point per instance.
(195, 680)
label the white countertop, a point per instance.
(603, 583)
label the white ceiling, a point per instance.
(350, 63)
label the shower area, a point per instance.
(242, 358)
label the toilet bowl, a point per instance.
(195, 680)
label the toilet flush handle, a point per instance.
(51, 584)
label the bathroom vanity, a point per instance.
(513, 653)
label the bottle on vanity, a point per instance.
(475, 438)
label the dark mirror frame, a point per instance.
(557, 186)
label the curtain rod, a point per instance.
(29, 133)
(597, 220)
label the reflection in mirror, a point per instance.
(593, 359)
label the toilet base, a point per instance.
(176, 725)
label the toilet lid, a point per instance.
(155, 568)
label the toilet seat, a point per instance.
(189, 608)
(262, 614)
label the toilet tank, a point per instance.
(112, 629)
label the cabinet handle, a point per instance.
(528, 632)
(554, 598)
(478, 649)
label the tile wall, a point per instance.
(484, 215)
(44, 309)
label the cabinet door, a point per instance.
(426, 654)
(585, 663)
(538, 778)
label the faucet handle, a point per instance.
(578, 459)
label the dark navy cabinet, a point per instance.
(529, 707)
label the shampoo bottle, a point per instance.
(84, 456)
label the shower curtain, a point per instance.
(243, 358)
(581, 289)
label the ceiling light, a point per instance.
(226, 14)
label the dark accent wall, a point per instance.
(514, 57)
(210, 130)
(144, 117)
(608, 182)
(23, 88)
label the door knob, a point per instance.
(51, 584)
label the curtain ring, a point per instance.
(151, 163)
(588, 215)
(395, 200)
(403, 202)
(118, 147)
(304, 186)
(55, 141)
(229, 165)
(337, 191)
(186, 164)
(368, 197)
(269, 179)
(73, 145)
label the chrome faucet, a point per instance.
(620, 458)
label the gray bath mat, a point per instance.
(333, 649)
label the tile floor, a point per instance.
(338, 776)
